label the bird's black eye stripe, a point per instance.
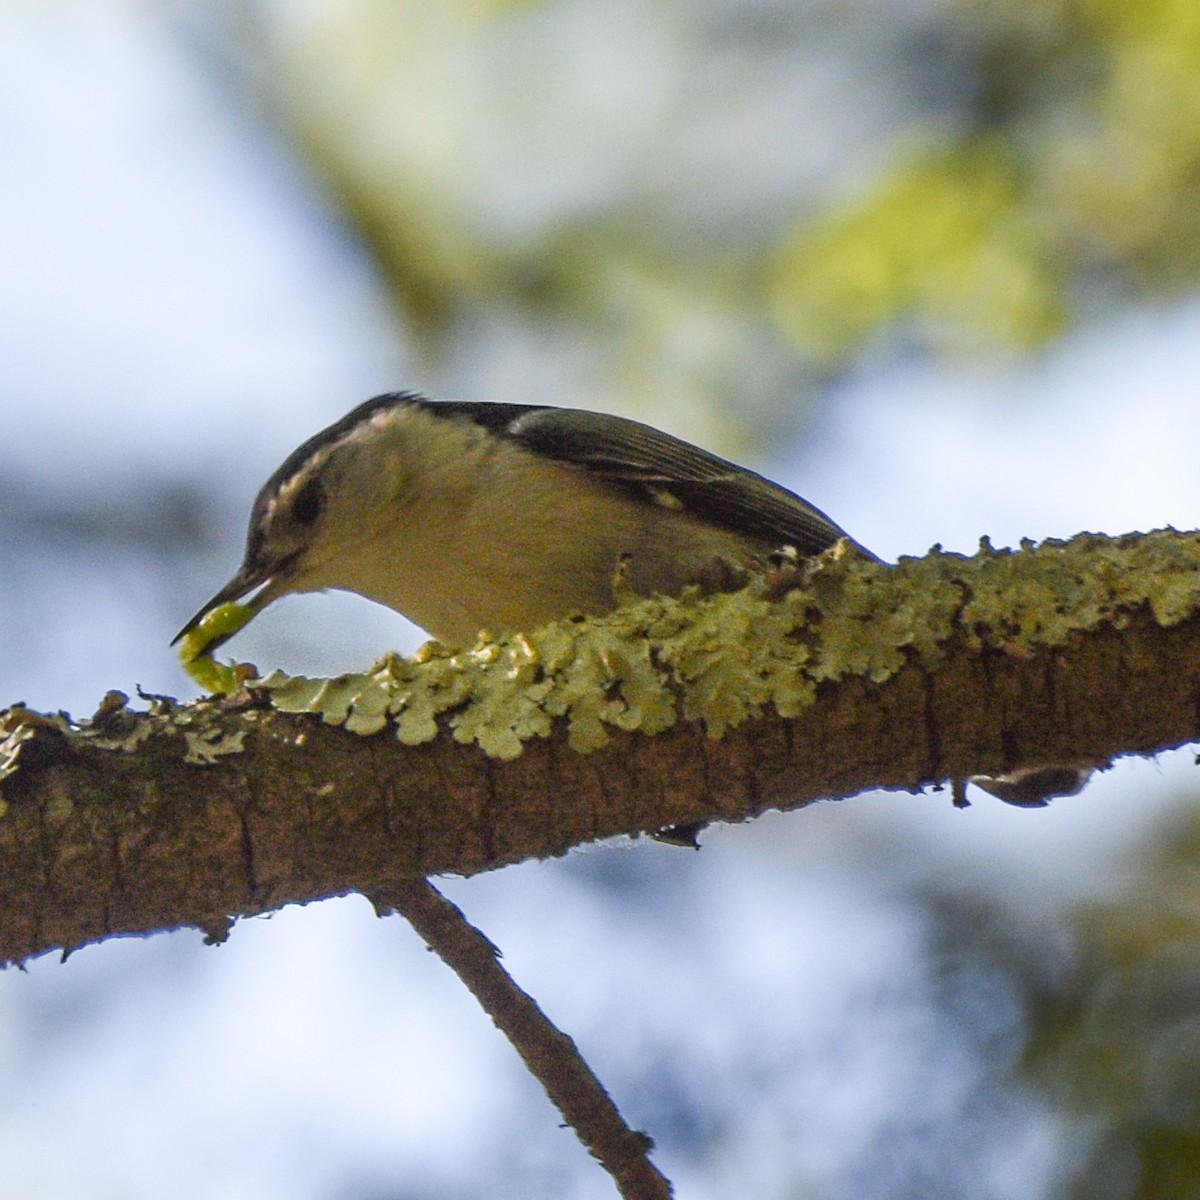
(306, 508)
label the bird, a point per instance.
(468, 516)
(472, 517)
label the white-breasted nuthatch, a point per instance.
(503, 517)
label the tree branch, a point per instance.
(859, 676)
(550, 1055)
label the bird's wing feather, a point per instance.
(640, 458)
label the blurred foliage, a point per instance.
(1118, 1043)
(484, 154)
(524, 157)
(1104, 98)
(946, 236)
(1111, 993)
(1080, 158)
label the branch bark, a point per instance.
(551, 1056)
(921, 675)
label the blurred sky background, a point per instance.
(931, 263)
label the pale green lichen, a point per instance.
(128, 741)
(718, 660)
(20, 726)
(205, 746)
(722, 660)
(738, 657)
(872, 619)
(1044, 595)
(208, 734)
(498, 694)
(10, 754)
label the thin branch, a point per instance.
(551, 1056)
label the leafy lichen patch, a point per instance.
(722, 660)
(719, 660)
(205, 747)
(1045, 595)
(207, 731)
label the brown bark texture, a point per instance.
(111, 828)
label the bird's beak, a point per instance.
(271, 583)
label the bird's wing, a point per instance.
(637, 457)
